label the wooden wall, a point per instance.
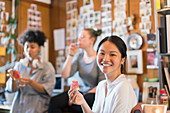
(57, 20)
(22, 19)
(54, 17)
(23, 7)
(7, 57)
(132, 7)
(8, 9)
(22, 22)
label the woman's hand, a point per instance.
(73, 49)
(76, 97)
(24, 81)
(14, 74)
(11, 73)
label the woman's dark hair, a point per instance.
(119, 44)
(94, 33)
(33, 36)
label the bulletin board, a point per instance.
(44, 9)
(21, 12)
(3, 56)
(132, 7)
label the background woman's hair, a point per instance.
(94, 33)
(32, 36)
(119, 44)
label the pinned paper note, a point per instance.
(2, 51)
(2, 78)
(59, 39)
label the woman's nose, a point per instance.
(106, 57)
(28, 49)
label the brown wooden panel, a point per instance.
(22, 19)
(58, 18)
(45, 16)
(4, 59)
(8, 9)
(55, 24)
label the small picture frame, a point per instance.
(134, 62)
(152, 59)
(154, 108)
(34, 7)
(151, 38)
(59, 86)
(150, 92)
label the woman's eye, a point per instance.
(101, 53)
(112, 55)
(32, 47)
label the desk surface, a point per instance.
(8, 107)
(5, 107)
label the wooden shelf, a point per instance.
(164, 54)
(165, 11)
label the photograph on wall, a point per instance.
(33, 6)
(34, 18)
(119, 18)
(71, 23)
(70, 5)
(150, 92)
(151, 38)
(97, 15)
(145, 12)
(106, 1)
(86, 9)
(134, 62)
(88, 2)
(74, 14)
(145, 18)
(106, 18)
(152, 59)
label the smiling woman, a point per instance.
(109, 59)
(115, 94)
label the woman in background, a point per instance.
(115, 94)
(34, 87)
(85, 64)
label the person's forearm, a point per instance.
(38, 87)
(85, 107)
(92, 90)
(67, 67)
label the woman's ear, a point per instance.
(123, 60)
(92, 40)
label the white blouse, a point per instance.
(120, 96)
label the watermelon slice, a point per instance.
(16, 74)
(75, 85)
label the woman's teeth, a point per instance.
(106, 65)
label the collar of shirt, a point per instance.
(115, 82)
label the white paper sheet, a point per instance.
(59, 39)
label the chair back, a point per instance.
(137, 109)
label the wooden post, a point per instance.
(12, 29)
